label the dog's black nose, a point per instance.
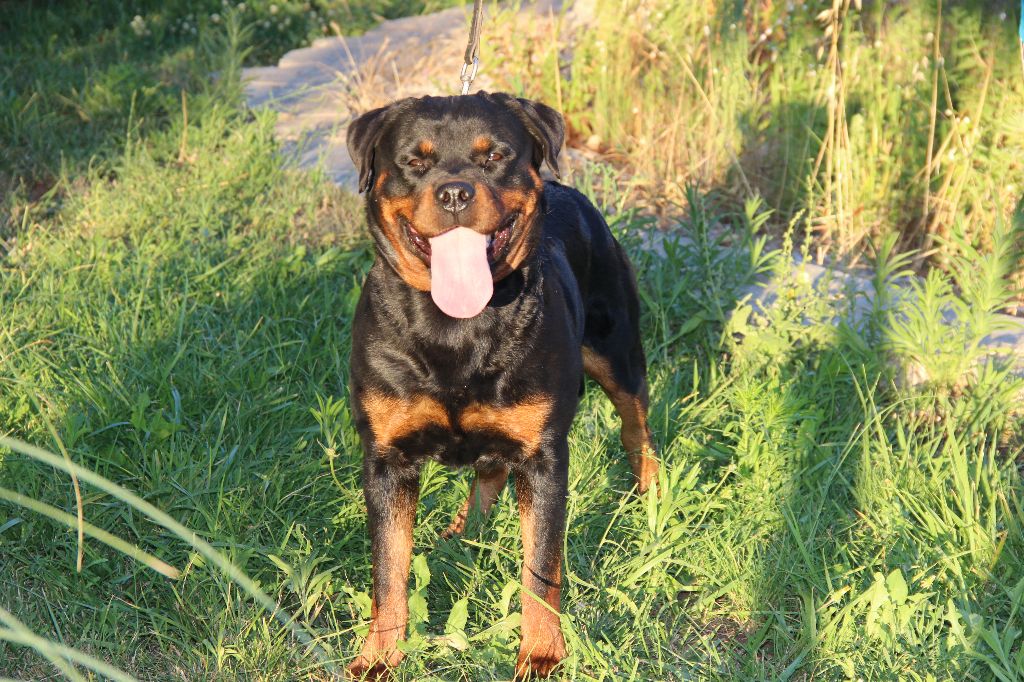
(455, 196)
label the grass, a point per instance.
(76, 79)
(888, 119)
(176, 319)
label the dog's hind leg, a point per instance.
(623, 376)
(486, 488)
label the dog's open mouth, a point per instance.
(497, 242)
(417, 239)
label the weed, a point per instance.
(872, 120)
(180, 315)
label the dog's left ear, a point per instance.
(364, 134)
(545, 125)
(548, 128)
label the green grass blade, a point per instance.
(188, 536)
(103, 536)
(45, 648)
(37, 642)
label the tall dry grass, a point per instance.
(891, 119)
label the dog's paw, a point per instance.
(361, 669)
(455, 528)
(375, 663)
(538, 659)
(645, 470)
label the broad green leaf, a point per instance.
(507, 593)
(421, 571)
(897, 586)
(458, 616)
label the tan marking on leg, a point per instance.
(597, 368)
(392, 417)
(483, 494)
(542, 646)
(523, 422)
(390, 609)
(632, 410)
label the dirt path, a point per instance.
(317, 90)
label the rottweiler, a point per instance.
(492, 292)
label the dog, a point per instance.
(492, 292)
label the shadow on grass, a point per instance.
(828, 509)
(179, 332)
(203, 364)
(188, 345)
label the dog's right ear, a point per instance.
(364, 134)
(545, 125)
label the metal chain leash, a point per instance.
(471, 62)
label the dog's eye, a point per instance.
(415, 163)
(495, 156)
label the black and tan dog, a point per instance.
(492, 293)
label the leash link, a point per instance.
(471, 61)
(467, 79)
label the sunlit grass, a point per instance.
(872, 119)
(181, 317)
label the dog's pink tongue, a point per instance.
(460, 278)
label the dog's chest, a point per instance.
(422, 426)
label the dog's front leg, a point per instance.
(542, 487)
(391, 492)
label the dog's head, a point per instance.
(455, 190)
